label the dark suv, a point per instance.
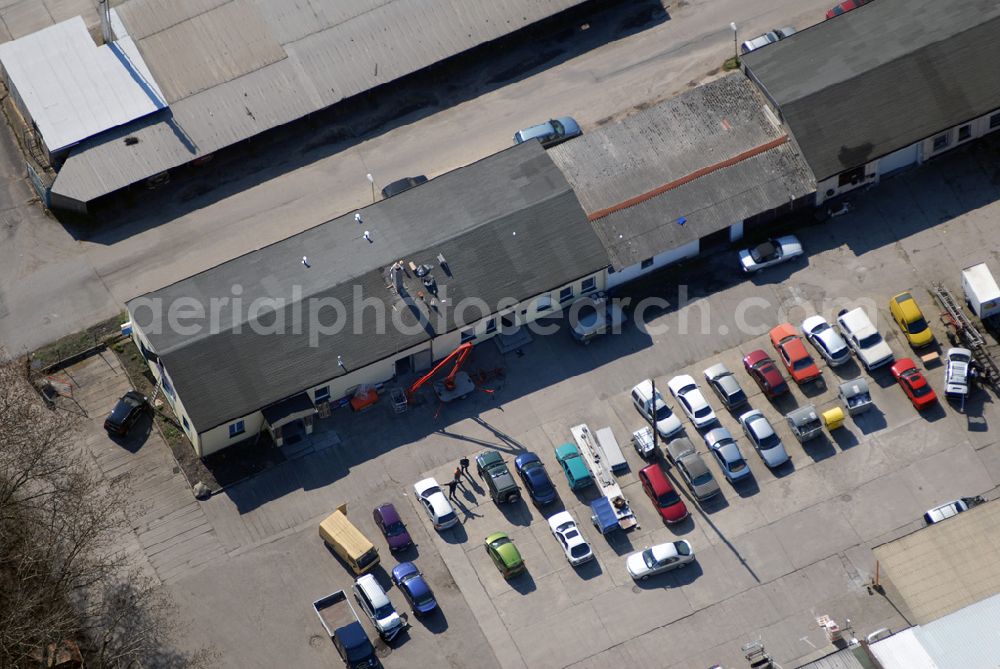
(493, 470)
(125, 413)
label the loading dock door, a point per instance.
(897, 160)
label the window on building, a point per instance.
(942, 141)
(566, 294)
(588, 285)
(322, 394)
(852, 178)
(648, 262)
(236, 429)
(187, 426)
(995, 121)
(964, 132)
(491, 326)
(543, 304)
(468, 335)
(611, 270)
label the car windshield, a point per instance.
(919, 391)
(871, 340)
(384, 611)
(368, 558)
(668, 498)
(647, 557)
(682, 548)
(395, 528)
(663, 412)
(425, 598)
(770, 441)
(803, 363)
(558, 127)
(703, 479)
(702, 412)
(737, 397)
(430, 491)
(959, 357)
(737, 465)
(579, 550)
(502, 541)
(916, 326)
(448, 517)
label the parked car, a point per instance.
(666, 500)
(726, 387)
(573, 466)
(793, 354)
(403, 185)
(911, 320)
(693, 469)
(414, 587)
(376, 605)
(566, 532)
(864, 339)
(125, 413)
(435, 503)
(391, 526)
(826, 340)
(956, 373)
(655, 410)
(494, 472)
(551, 132)
(725, 449)
(914, 384)
(532, 472)
(765, 373)
(593, 316)
(945, 511)
(689, 396)
(770, 37)
(762, 436)
(770, 253)
(505, 555)
(657, 559)
(845, 7)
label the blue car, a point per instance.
(536, 479)
(414, 587)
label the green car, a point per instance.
(573, 466)
(505, 555)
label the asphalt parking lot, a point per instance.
(772, 555)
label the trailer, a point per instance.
(592, 454)
(981, 291)
(642, 440)
(343, 626)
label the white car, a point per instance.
(761, 434)
(956, 373)
(945, 511)
(655, 410)
(435, 503)
(687, 393)
(658, 559)
(864, 339)
(568, 535)
(826, 340)
(770, 253)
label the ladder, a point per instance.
(955, 318)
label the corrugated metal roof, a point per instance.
(509, 226)
(848, 87)
(842, 659)
(708, 145)
(335, 49)
(73, 88)
(966, 639)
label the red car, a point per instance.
(914, 384)
(792, 350)
(665, 498)
(765, 373)
(845, 6)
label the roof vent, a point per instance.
(130, 140)
(422, 270)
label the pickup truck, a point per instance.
(344, 628)
(864, 339)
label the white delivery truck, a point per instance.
(981, 291)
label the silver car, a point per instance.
(727, 452)
(725, 386)
(692, 468)
(826, 340)
(770, 253)
(761, 434)
(551, 132)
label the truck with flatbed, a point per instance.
(343, 626)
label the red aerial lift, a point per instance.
(456, 385)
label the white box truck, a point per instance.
(981, 291)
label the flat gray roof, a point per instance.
(231, 69)
(881, 77)
(711, 156)
(508, 226)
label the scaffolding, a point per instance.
(961, 330)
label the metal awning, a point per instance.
(287, 410)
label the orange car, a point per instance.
(793, 353)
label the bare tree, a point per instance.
(63, 576)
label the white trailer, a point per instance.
(981, 291)
(587, 442)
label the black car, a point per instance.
(126, 412)
(402, 185)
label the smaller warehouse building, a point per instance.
(888, 85)
(691, 174)
(274, 338)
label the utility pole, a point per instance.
(736, 52)
(652, 410)
(371, 180)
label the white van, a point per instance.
(376, 605)
(657, 412)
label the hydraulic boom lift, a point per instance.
(456, 385)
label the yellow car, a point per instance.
(911, 320)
